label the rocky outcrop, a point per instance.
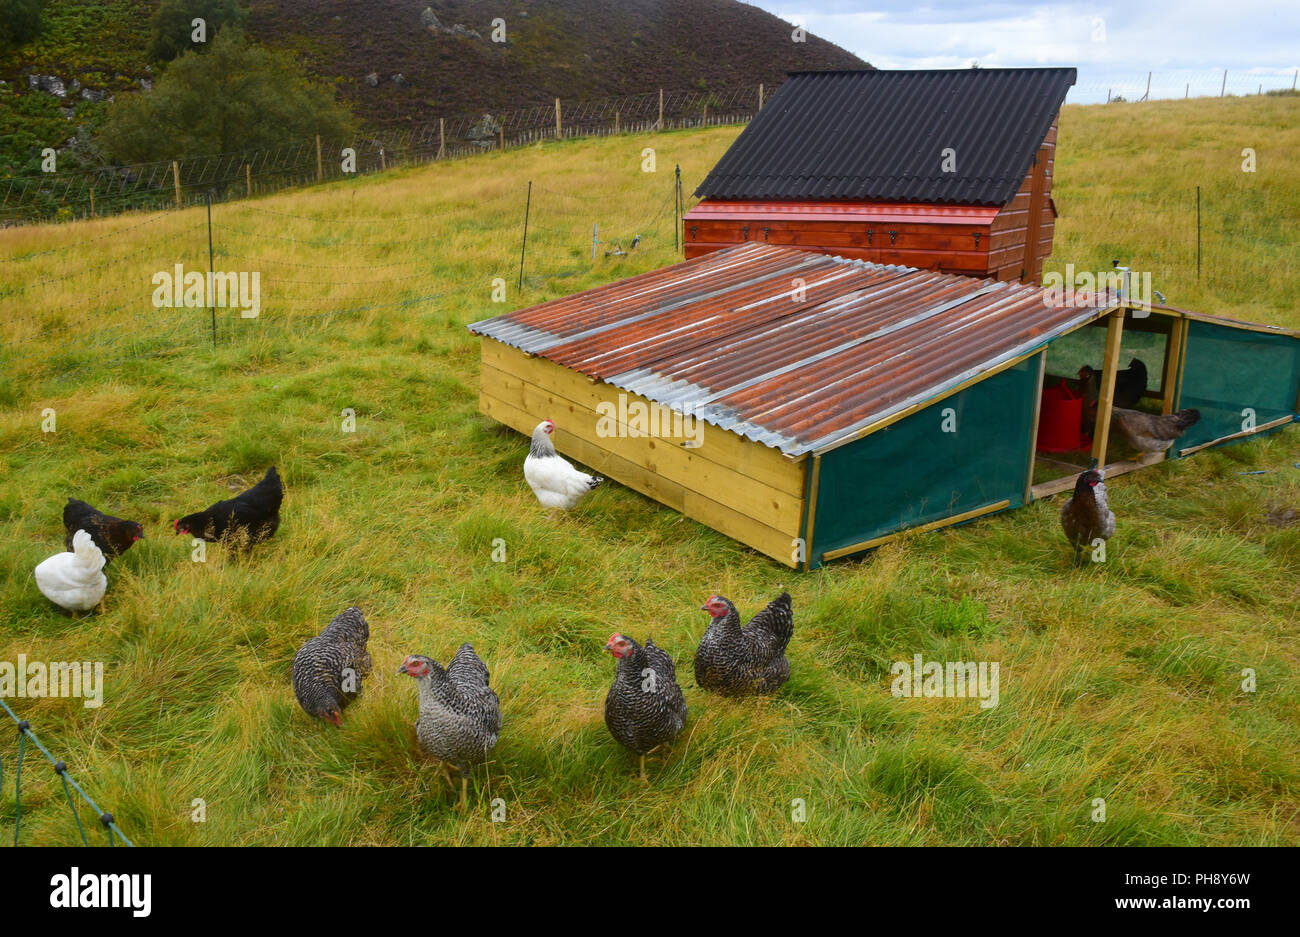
(50, 84)
(434, 26)
(484, 132)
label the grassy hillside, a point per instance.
(572, 49)
(1120, 681)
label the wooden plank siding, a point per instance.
(741, 488)
(1012, 246)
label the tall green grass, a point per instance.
(1120, 681)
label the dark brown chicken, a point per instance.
(112, 535)
(1085, 516)
(1151, 432)
(644, 707)
(736, 661)
(253, 515)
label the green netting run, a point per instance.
(962, 453)
(1228, 372)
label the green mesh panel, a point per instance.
(1227, 370)
(913, 472)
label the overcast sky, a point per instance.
(1112, 45)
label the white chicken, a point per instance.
(74, 581)
(556, 483)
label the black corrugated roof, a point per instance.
(880, 135)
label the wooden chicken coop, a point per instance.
(839, 402)
(941, 170)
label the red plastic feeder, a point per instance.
(1059, 420)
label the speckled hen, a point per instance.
(328, 669)
(736, 661)
(645, 707)
(460, 716)
(1086, 516)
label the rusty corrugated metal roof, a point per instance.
(730, 338)
(882, 135)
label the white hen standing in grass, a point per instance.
(556, 483)
(74, 581)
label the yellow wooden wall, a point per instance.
(741, 488)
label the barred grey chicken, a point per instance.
(645, 707)
(327, 670)
(736, 661)
(460, 716)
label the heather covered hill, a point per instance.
(448, 63)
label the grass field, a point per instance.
(1121, 681)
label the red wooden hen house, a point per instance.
(947, 170)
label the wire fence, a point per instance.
(1150, 85)
(25, 735)
(38, 196)
(310, 267)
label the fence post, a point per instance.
(442, 137)
(661, 110)
(211, 298)
(320, 169)
(248, 178)
(524, 247)
(677, 204)
(1148, 91)
(501, 136)
(383, 163)
(1225, 83)
(92, 201)
(616, 116)
(176, 179)
(760, 97)
(559, 129)
(1187, 92)
(1294, 77)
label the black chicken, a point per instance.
(1085, 516)
(253, 515)
(736, 661)
(645, 707)
(1130, 384)
(327, 670)
(112, 535)
(460, 716)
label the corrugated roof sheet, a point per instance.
(881, 135)
(727, 337)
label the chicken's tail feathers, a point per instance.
(83, 545)
(777, 619)
(1188, 417)
(595, 482)
(467, 668)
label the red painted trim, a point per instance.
(880, 212)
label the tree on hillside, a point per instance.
(172, 25)
(20, 20)
(237, 97)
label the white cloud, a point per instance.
(1181, 41)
